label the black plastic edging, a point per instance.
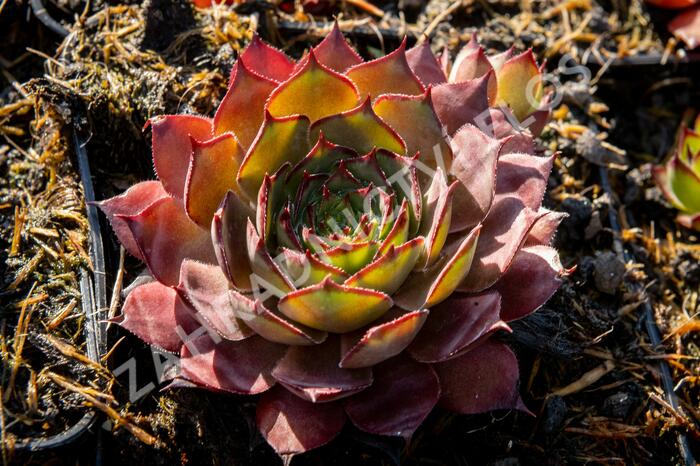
(93, 289)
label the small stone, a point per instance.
(608, 272)
(554, 415)
(580, 210)
(620, 405)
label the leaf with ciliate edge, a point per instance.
(334, 308)
(299, 95)
(474, 165)
(425, 65)
(209, 176)
(335, 52)
(456, 325)
(267, 61)
(153, 312)
(545, 227)
(388, 272)
(206, 287)
(131, 202)
(228, 231)
(359, 129)
(280, 140)
(430, 287)
(242, 109)
(166, 236)
(481, 380)
(524, 176)
(266, 273)
(270, 324)
(502, 235)
(305, 269)
(292, 425)
(385, 338)
(170, 140)
(390, 74)
(401, 397)
(531, 280)
(414, 118)
(241, 367)
(313, 373)
(457, 104)
(520, 85)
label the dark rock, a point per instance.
(580, 210)
(608, 272)
(554, 415)
(620, 405)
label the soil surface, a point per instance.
(590, 372)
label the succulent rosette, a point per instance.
(343, 240)
(679, 177)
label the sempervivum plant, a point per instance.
(342, 239)
(679, 177)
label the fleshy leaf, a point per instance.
(471, 63)
(242, 109)
(266, 272)
(389, 271)
(300, 94)
(350, 257)
(335, 52)
(481, 380)
(229, 237)
(292, 425)
(531, 280)
(166, 236)
(685, 184)
(154, 313)
(661, 176)
(359, 129)
(437, 214)
(280, 140)
(456, 325)
(424, 64)
(524, 176)
(334, 308)
(457, 104)
(321, 159)
(474, 165)
(270, 324)
(390, 74)
(312, 372)
(170, 138)
(414, 118)
(131, 202)
(210, 175)
(267, 61)
(399, 231)
(544, 229)
(307, 269)
(520, 85)
(401, 397)
(241, 367)
(503, 233)
(426, 289)
(205, 287)
(385, 339)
